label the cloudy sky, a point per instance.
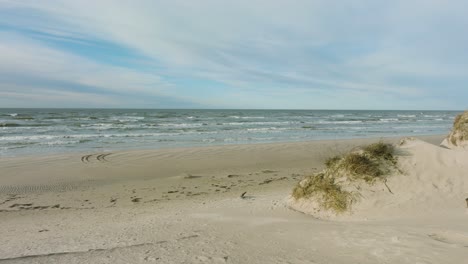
(290, 54)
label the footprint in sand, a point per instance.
(136, 199)
(450, 237)
(210, 259)
(268, 171)
(190, 176)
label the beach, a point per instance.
(217, 204)
(242, 132)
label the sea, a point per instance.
(55, 131)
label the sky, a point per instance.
(242, 54)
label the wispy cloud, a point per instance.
(265, 54)
(39, 97)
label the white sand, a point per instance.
(183, 206)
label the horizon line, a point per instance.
(254, 109)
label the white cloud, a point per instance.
(25, 96)
(259, 47)
(31, 59)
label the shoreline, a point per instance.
(433, 139)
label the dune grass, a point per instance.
(330, 162)
(329, 193)
(381, 150)
(368, 164)
(460, 128)
(360, 166)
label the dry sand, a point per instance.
(184, 206)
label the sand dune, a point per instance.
(432, 180)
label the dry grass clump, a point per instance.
(360, 166)
(330, 194)
(460, 129)
(330, 162)
(369, 163)
(381, 150)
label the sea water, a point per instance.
(49, 131)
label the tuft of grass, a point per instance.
(369, 163)
(330, 162)
(381, 150)
(460, 128)
(331, 195)
(360, 166)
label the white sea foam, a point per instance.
(127, 118)
(389, 119)
(246, 117)
(341, 122)
(407, 116)
(182, 125)
(258, 123)
(263, 129)
(253, 117)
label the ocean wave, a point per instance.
(124, 119)
(341, 122)
(22, 125)
(253, 117)
(9, 125)
(434, 116)
(256, 123)
(59, 142)
(19, 143)
(242, 139)
(236, 139)
(246, 117)
(29, 138)
(164, 116)
(389, 120)
(263, 129)
(39, 138)
(185, 125)
(50, 131)
(337, 116)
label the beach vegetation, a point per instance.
(460, 129)
(330, 194)
(331, 161)
(329, 187)
(381, 150)
(361, 166)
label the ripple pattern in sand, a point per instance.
(58, 187)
